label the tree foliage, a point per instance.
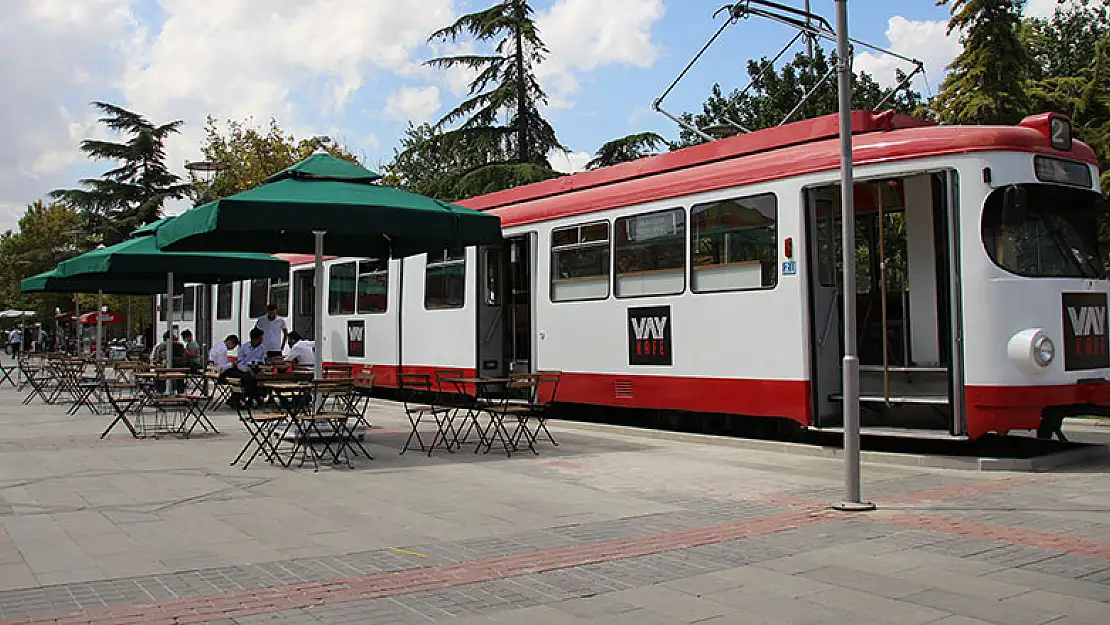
(1070, 55)
(47, 234)
(625, 149)
(985, 83)
(133, 193)
(247, 154)
(496, 138)
(777, 91)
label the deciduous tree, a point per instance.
(248, 154)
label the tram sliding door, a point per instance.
(903, 333)
(505, 307)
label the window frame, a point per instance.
(281, 283)
(359, 273)
(253, 312)
(579, 244)
(354, 292)
(230, 301)
(776, 247)
(684, 269)
(442, 261)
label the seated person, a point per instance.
(300, 352)
(218, 354)
(192, 352)
(250, 353)
(158, 359)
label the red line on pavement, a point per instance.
(292, 596)
(1074, 545)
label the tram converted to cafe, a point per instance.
(707, 280)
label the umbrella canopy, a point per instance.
(140, 258)
(150, 228)
(15, 314)
(324, 193)
(106, 318)
(51, 282)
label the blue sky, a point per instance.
(353, 69)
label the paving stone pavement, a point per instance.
(608, 527)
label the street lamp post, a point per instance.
(852, 498)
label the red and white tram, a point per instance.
(707, 280)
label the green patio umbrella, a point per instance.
(140, 259)
(323, 196)
(51, 282)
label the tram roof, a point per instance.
(799, 148)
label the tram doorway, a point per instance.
(304, 303)
(505, 307)
(903, 304)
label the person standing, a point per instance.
(15, 339)
(275, 333)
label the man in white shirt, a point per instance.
(218, 354)
(300, 352)
(274, 331)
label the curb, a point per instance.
(1101, 422)
(1040, 463)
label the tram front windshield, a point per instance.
(1053, 232)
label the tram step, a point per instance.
(898, 432)
(924, 370)
(934, 400)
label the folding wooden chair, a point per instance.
(218, 391)
(123, 404)
(414, 386)
(541, 408)
(261, 426)
(524, 385)
(362, 388)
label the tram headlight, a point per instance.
(1043, 350)
(1031, 351)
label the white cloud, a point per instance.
(583, 35)
(415, 104)
(272, 58)
(50, 48)
(925, 40)
(569, 162)
(1044, 8)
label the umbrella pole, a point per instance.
(169, 320)
(99, 323)
(318, 318)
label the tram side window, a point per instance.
(445, 280)
(279, 294)
(341, 289)
(735, 244)
(223, 301)
(260, 297)
(188, 303)
(651, 253)
(580, 263)
(373, 285)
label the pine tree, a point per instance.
(985, 83)
(625, 149)
(500, 119)
(133, 193)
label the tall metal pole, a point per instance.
(852, 499)
(99, 324)
(318, 318)
(169, 320)
(809, 37)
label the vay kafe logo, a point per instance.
(356, 338)
(649, 336)
(1086, 343)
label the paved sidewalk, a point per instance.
(609, 527)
